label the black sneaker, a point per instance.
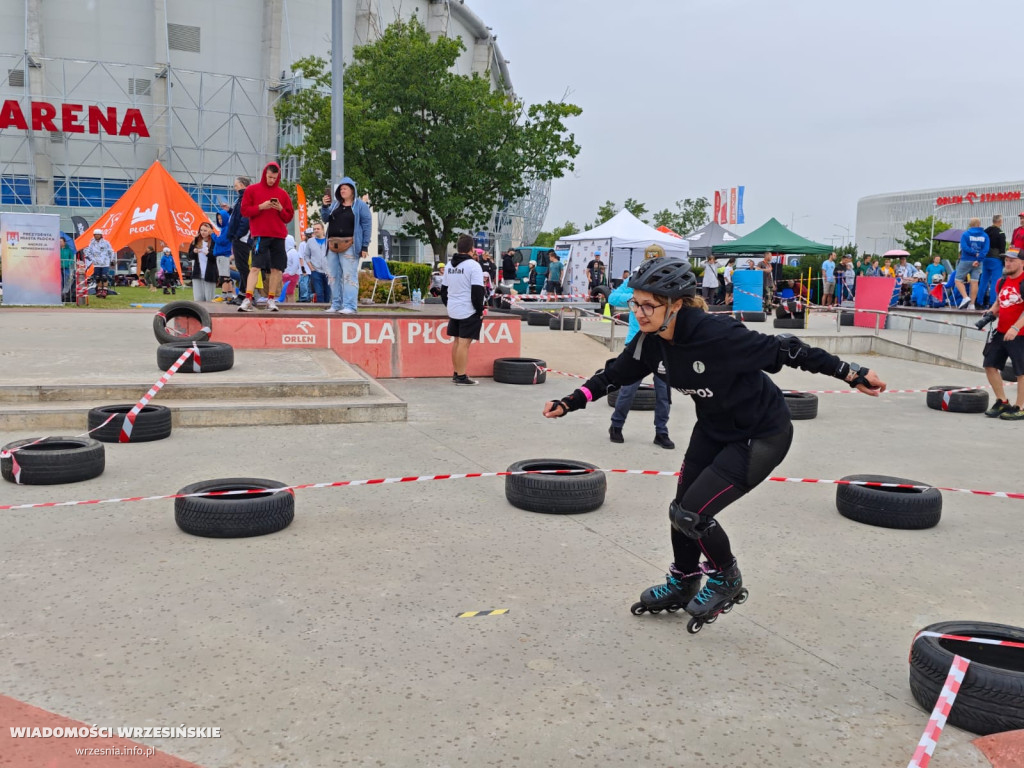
(998, 407)
(615, 435)
(662, 439)
(1013, 413)
(464, 381)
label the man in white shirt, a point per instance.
(101, 254)
(709, 284)
(316, 259)
(462, 292)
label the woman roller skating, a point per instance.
(743, 429)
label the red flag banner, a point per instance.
(718, 204)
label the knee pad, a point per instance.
(688, 523)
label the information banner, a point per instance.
(30, 258)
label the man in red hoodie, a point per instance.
(1017, 238)
(269, 209)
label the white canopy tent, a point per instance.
(621, 241)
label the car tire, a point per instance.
(565, 323)
(1007, 373)
(432, 300)
(537, 318)
(802, 405)
(644, 400)
(846, 318)
(234, 516)
(54, 460)
(900, 508)
(967, 401)
(751, 317)
(213, 356)
(991, 696)
(519, 370)
(189, 311)
(153, 422)
(720, 308)
(788, 322)
(562, 494)
(603, 291)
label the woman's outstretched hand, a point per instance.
(874, 387)
(553, 409)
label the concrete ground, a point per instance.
(336, 642)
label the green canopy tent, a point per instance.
(772, 237)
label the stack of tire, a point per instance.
(196, 323)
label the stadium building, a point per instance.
(880, 218)
(93, 91)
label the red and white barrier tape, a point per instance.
(205, 329)
(129, 419)
(930, 738)
(982, 640)
(545, 297)
(820, 391)
(427, 478)
(560, 373)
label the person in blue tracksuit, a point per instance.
(974, 246)
(992, 263)
(662, 397)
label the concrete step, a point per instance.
(183, 387)
(377, 405)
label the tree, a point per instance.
(423, 140)
(310, 110)
(604, 213)
(691, 214)
(548, 239)
(609, 209)
(918, 240)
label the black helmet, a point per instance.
(667, 276)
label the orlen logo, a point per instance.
(300, 338)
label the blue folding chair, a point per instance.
(381, 273)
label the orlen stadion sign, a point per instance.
(73, 118)
(974, 197)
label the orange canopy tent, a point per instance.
(155, 207)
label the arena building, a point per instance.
(93, 91)
(880, 218)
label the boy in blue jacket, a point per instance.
(170, 270)
(974, 245)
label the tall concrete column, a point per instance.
(35, 85)
(160, 86)
(273, 65)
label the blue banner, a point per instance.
(739, 206)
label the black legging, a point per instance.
(712, 477)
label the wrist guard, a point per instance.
(860, 374)
(574, 402)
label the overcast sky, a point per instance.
(810, 104)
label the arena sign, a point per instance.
(95, 119)
(974, 197)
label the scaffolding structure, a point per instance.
(204, 127)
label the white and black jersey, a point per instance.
(462, 287)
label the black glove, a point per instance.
(987, 318)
